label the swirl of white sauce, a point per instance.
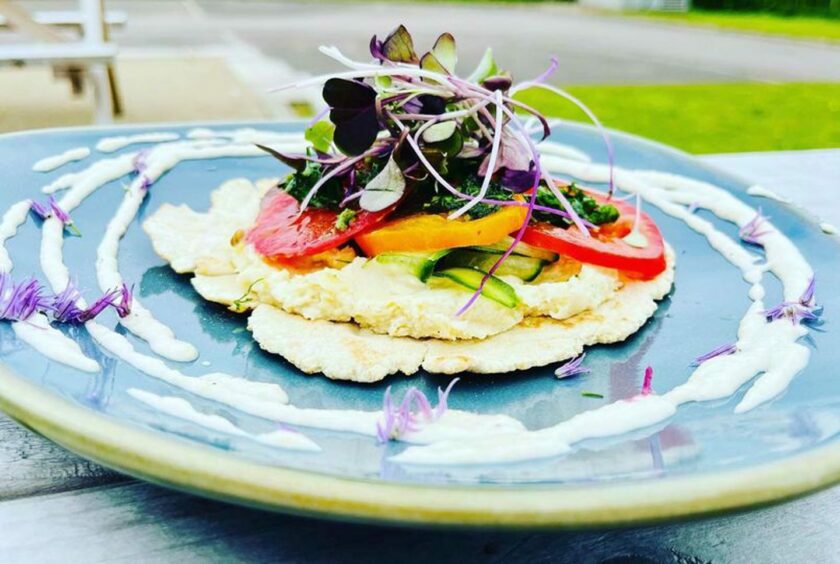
(769, 350)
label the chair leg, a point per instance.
(103, 103)
(116, 99)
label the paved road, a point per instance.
(592, 48)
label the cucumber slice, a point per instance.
(522, 249)
(420, 265)
(495, 289)
(526, 268)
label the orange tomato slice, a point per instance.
(428, 232)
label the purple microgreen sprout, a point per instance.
(572, 368)
(404, 418)
(722, 350)
(751, 231)
(647, 384)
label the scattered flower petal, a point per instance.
(572, 368)
(751, 231)
(722, 350)
(398, 420)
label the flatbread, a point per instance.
(200, 242)
(343, 351)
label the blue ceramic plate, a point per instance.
(705, 459)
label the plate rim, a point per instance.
(201, 470)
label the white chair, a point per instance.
(91, 57)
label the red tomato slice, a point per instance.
(280, 233)
(606, 247)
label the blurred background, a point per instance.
(702, 75)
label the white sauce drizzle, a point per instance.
(51, 163)
(14, 217)
(182, 409)
(769, 350)
(111, 144)
(37, 331)
(52, 343)
(762, 192)
(61, 183)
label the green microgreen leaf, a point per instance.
(385, 189)
(486, 67)
(592, 395)
(240, 303)
(320, 135)
(430, 63)
(342, 222)
(440, 131)
(445, 52)
(399, 47)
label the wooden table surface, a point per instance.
(56, 507)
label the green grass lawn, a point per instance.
(711, 118)
(806, 27)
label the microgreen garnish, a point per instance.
(342, 222)
(438, 142)
(722, 350)
(320, 134)
(403, 418)
(53, 209)
(240, 303)
(752, 230)
(647, 384)
(592, 395)
(572, 368)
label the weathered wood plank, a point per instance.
(146, 523)
(32, 465)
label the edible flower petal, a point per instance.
(401, 419)
(722, 350)
(53, 209)
(751, 231)
(572, 368)
(19, 302)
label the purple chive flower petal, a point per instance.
(64, 306)
(123, 307)
(805, 310)
(722, 350)
(139, 161)
(19, 302)
(41, 210)
(647, 384)
(401, 419)
(751, 231)
(807, 297)
(572, 368)
(52, 209)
